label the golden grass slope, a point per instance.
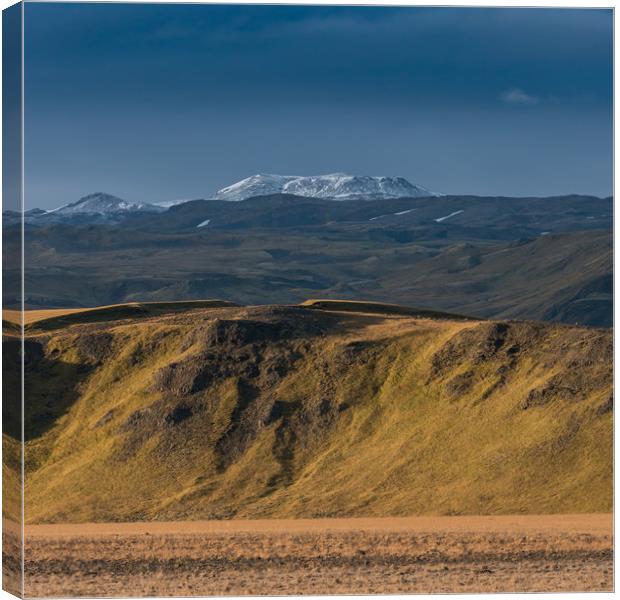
(289, 412)
(111, 312)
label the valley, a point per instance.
(544, 259)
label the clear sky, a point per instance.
(162, 102)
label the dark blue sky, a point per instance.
(159, 102)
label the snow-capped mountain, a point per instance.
(103, 204)
(95, 208)
(102, 208)
(335, 186)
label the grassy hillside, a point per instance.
(312, 411)
(54, 318)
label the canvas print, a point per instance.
(306, 299)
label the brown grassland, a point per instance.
(322, 556)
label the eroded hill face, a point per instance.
(302, 412)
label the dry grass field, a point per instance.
(323, 556)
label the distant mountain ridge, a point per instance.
(97, 208)
(533, 258)
(103, 207)
(102, 203)
(334, 186)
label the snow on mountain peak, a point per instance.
(103, 204)
(335, 186)
(261, 184)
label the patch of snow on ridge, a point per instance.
(53, 210)
(204, 223)
(402, 212)
(169, 203)
(442, 219)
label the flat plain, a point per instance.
(322, 556)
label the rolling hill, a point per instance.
(328, 409)
(559, 277)
(529, 258)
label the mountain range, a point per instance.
(491, 257)
(101, 207)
